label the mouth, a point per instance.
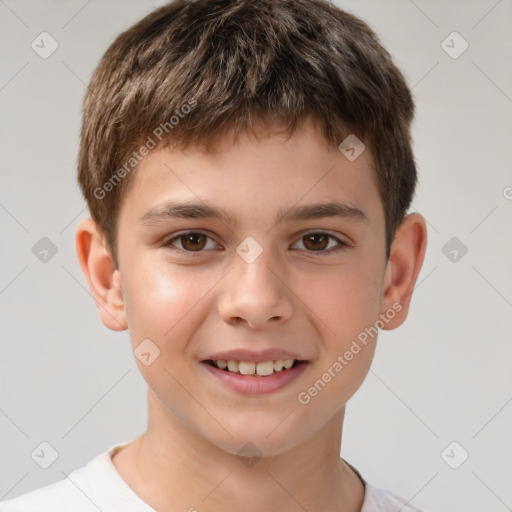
(255, 378)
(255, 369)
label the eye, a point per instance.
(190, 241)
(318, 241)
(196, 241)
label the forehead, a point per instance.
(262, 178)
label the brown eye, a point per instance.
(321, 243)
(316, 241)
(193, 241)
(189, 241)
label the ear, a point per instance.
(101, 274)
(404, 265)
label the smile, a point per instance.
(262, 369)
(255, 378)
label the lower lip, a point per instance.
(254, 385)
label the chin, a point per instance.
(252, 439)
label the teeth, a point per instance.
(265, 368)
(246, 368)
(278, 365)
(233, 366)
(250, 368)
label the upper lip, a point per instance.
(271, 354)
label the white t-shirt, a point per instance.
(98, 486)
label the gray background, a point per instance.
(443, 376)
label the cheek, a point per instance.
(346, 300)
(158, 298)
(347, 303)
(166, 303)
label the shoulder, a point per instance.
(57, 497)
(379, 500)
(85, 489)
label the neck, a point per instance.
(171, 467)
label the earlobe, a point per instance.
(101, 274)
(404, 265)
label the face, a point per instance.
(261, 277)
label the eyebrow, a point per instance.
(193, 210)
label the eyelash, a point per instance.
(340, 247)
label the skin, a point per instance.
(291, 297)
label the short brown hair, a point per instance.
(197, 69)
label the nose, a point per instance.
(255, 294)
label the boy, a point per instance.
(248, 169)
